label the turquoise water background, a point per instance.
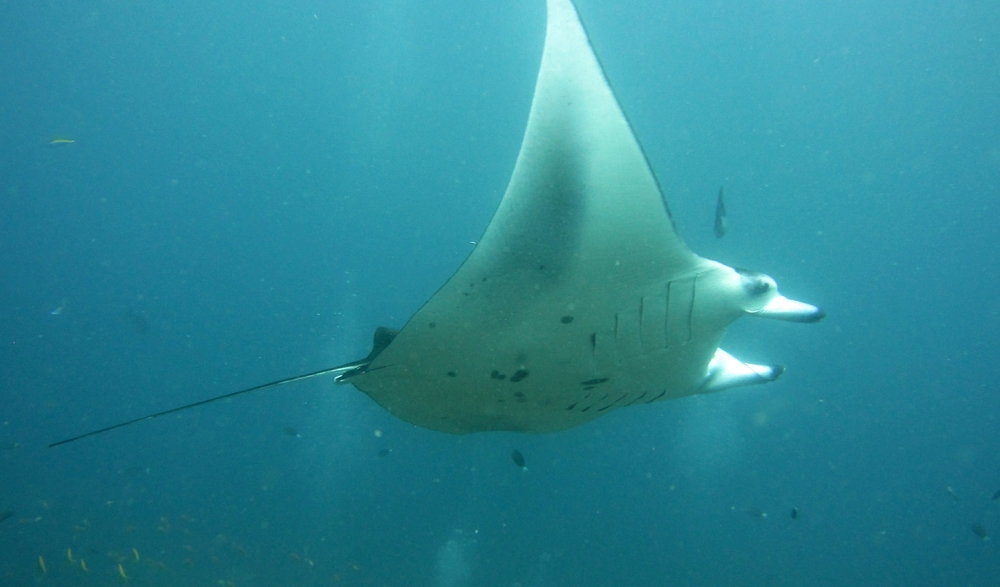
(253, 188)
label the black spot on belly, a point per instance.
(497, 375)
(518, 375)
(566, 319)
(451, 373)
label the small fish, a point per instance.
(41, 565)
(756, 512)
(137, 322)
(83, 566)
(720, 216)
(292, 432)
(135, 553)
(980, 530)
(795, 513)
(5, 515)
(59, 309)
(121, 572)
(59, 142)
(952, 493)
(69, 555)
(518, 459)
(996, 495)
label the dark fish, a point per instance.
(795, 513)
(980, 531)
(384, 452)
(720, 216)
(996, 495)
(292, 432)
(518, 459)
(137, 322)
(5, 515)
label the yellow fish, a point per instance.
(41, 564)
(69, 555)
(121, 572)
(135, 553)
(58, 141)
(83, 566)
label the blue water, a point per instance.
(254, 187)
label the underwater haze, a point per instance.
(199, 197)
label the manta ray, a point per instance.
(580, 298)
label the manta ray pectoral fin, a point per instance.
(726, 371)
(782, 308)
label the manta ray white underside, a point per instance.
(580, 298)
